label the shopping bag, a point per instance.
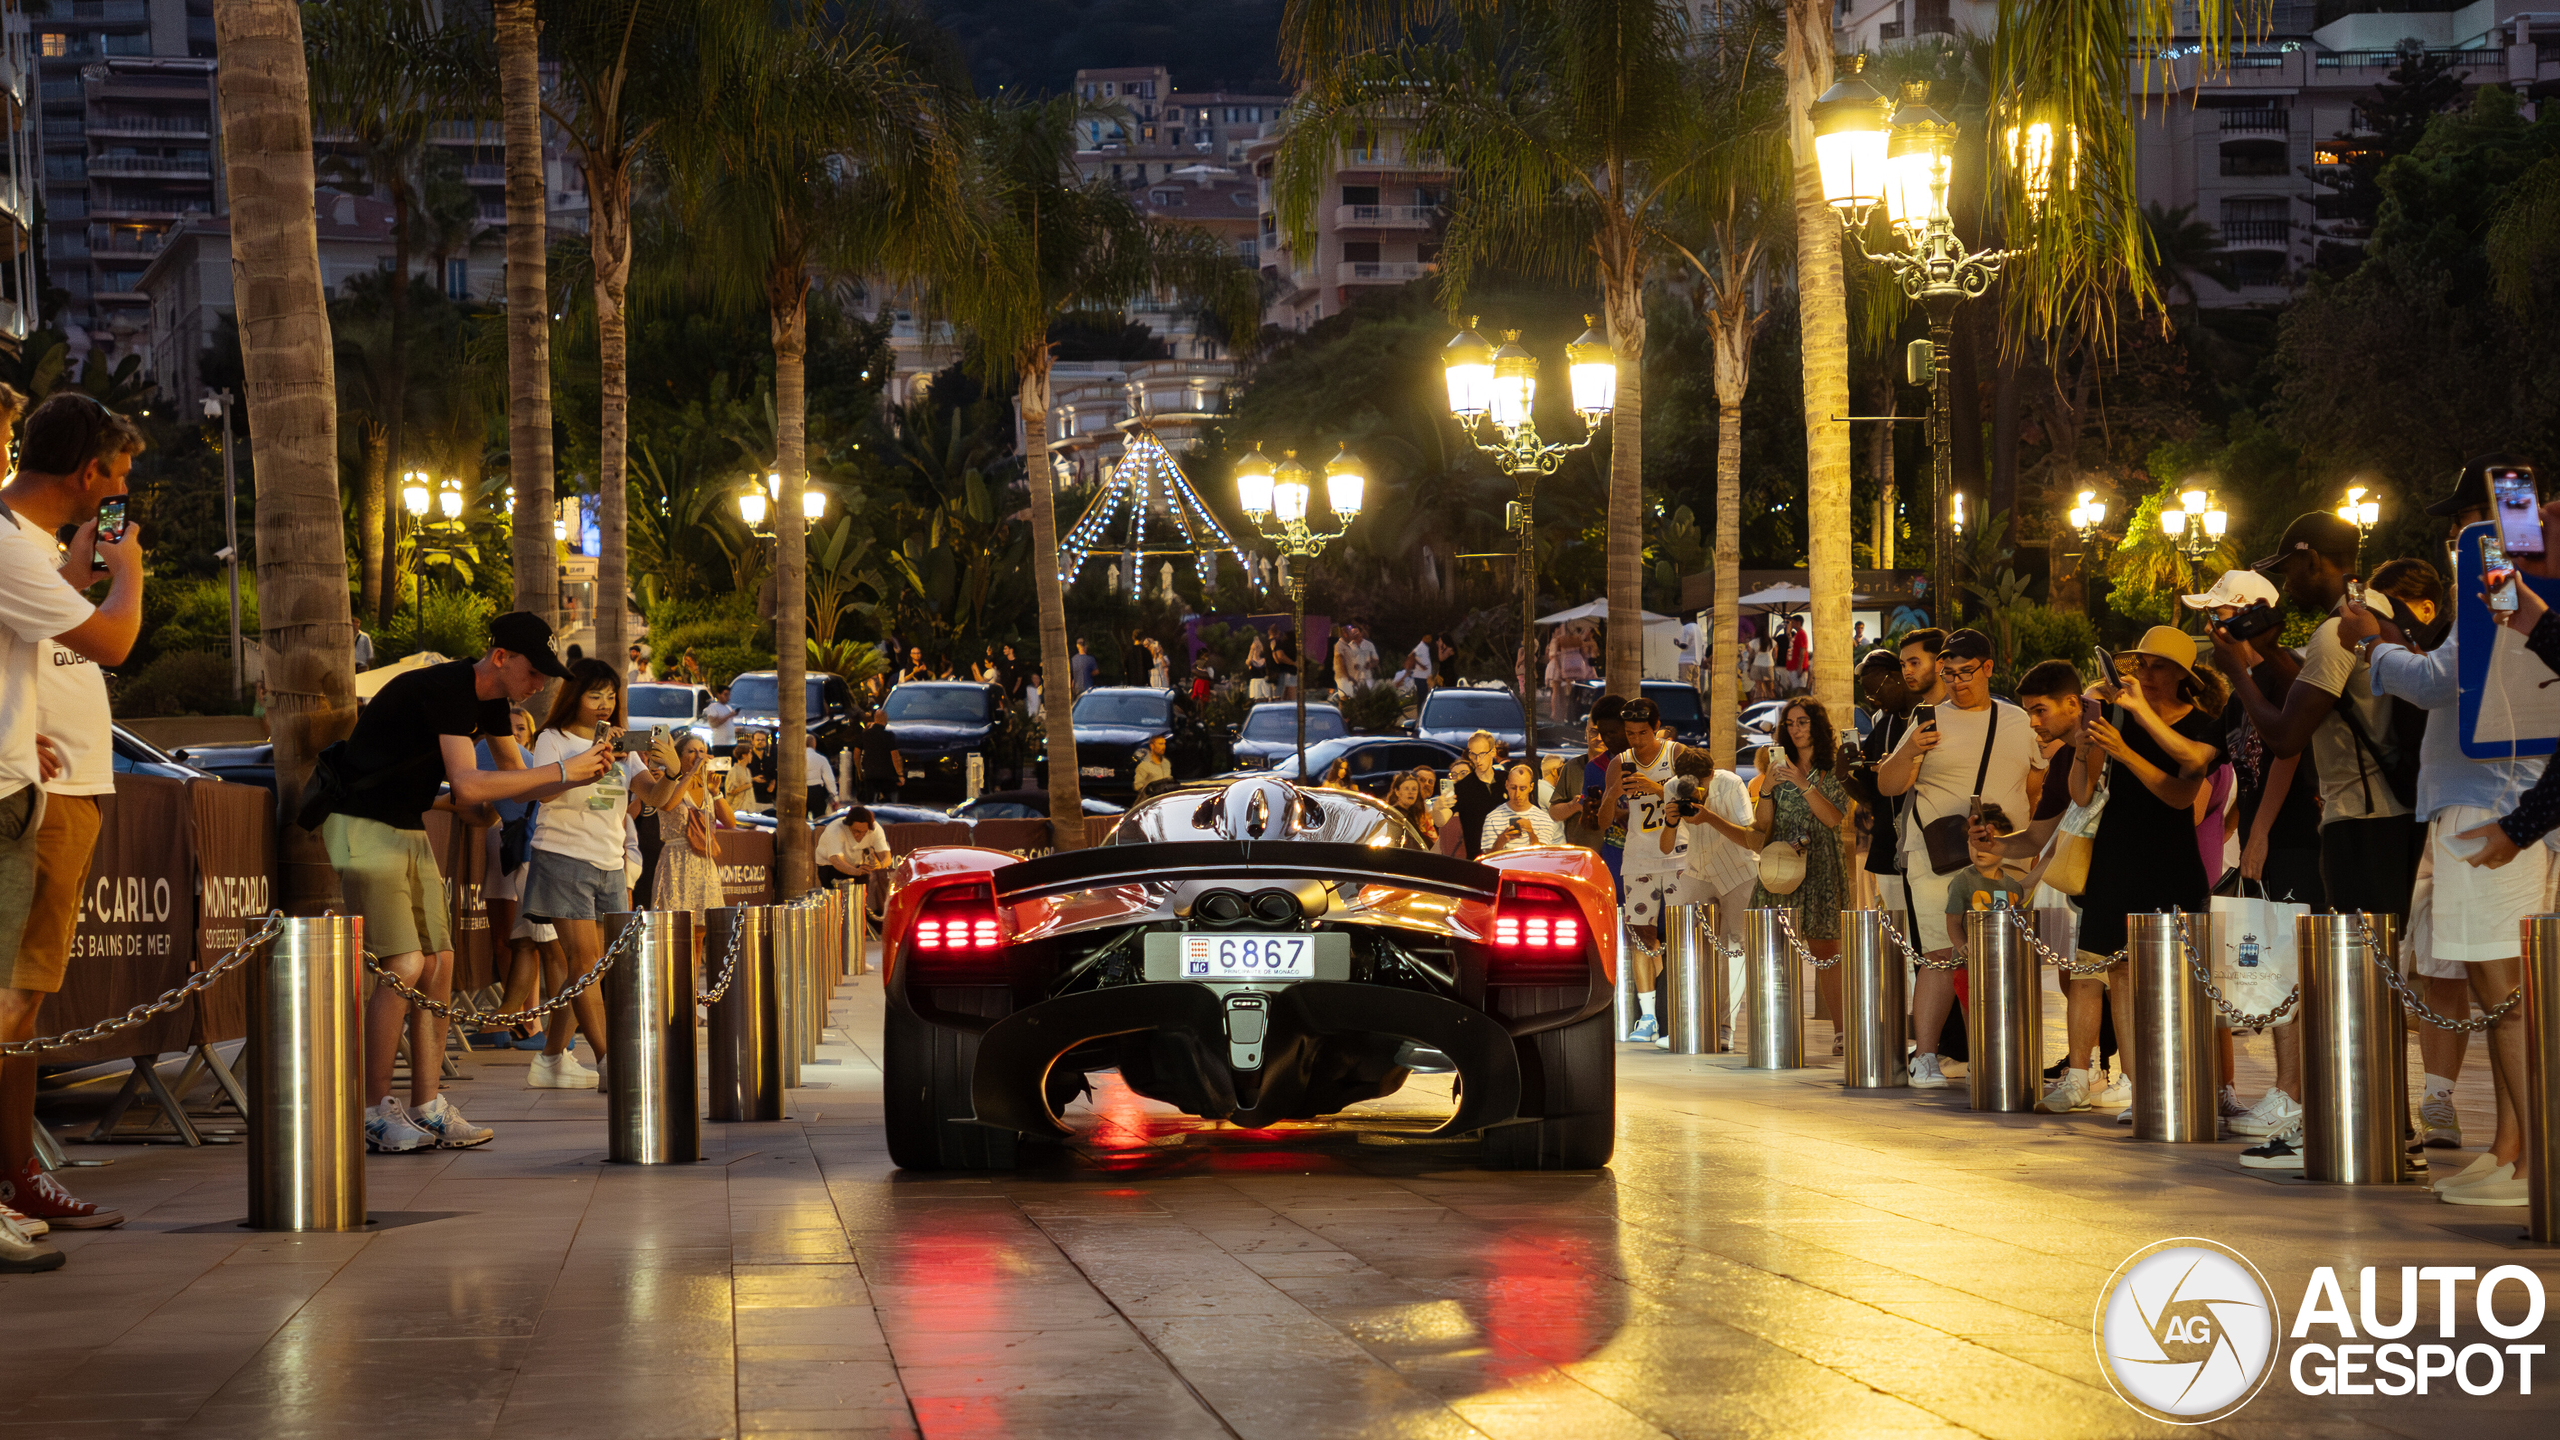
(2257, 966)
(2075, 839)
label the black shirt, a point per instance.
(1883, 855)
(400, 730)
(2145, 857)
(2297, 822)
(2055, 797)
(1475, 800)
(877, 743)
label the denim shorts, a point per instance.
(563, 887)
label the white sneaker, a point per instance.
(2118, 1096)
(2438, 1125)
(28, 1225)
(442, 1119)
(2066, 1095)
(1925, 1074)
(2500, 1187)
(558, 1072)
(20, 1255)
(389, 1130)
(2478, 1169)
(2273, 1116)
(2125, 1115)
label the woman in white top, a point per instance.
(688, 877)
(576, 874)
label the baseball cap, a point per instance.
(2318, 531)
(1967, 644)
(521, 632)
(2471, 487)
(2236, 587)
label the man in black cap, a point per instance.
(416, 735)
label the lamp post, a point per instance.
(2085, 518)
(2362, 514)
(218, 402)
(2196, 527)
(438, 532)
(1277, 496)
(753, 504)
(1497, 390)
(1872, 152)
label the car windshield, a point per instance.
(1679, 706)
(937, 702)
(1098, 708)
(762, 694)
(1470, 710)
(661, 702)
(1280, 722)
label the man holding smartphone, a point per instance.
(55, 755)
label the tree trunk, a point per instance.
(1057, 679)
(1880, 450)
(794, 847)
(395, 405)
(609, 242)
(371, 528)
(1622, 293)
(307, 631)
(535, 552)
(1724, 700)
(1823, 310)
(1964, 449)
(2000, 496)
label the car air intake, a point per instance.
(1537, 939)
(958, 936)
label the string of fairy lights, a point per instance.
(1146, 470)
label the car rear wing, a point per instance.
(1173, 862)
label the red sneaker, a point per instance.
(33, 1192)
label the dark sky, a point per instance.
(1208, 44)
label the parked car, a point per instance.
(1375, 760)
(1450, 715)
(667, 702)
(1679, 702)
(137, 756)
(757, 697)
(937, 724)
(1269, 734)
(245, 763)
(1021, 805)
(883, 814)
(1113, 726)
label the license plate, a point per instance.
(1096, 772)
(915, 774)
(1249, 957)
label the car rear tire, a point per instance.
(925, 1072)
(1570, 1076)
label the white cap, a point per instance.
(2236, 587)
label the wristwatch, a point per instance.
(2364, 647)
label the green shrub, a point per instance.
(452, 623)
(723, 663)
(181, 682)
(1372, 708)
(2042, 633)
(855, 660)
(702, 626)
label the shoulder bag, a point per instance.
(1949, 845)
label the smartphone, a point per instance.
(2355, 590)
(2090, 709)
(2518, 508)
(1923, 715)
(657, 736)
(111, 520)
(2497, 575)
(2106, 659)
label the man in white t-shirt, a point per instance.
(1720, 870)
(1971, 747)
(856, 844)
(721, 719)
(1422, 668)
(74, 454)
(1692, 644)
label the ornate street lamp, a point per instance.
(753, 504)
(1871, 152)
(1275, 498)
(2086, 517)
(2362, 514)
(435, 509)
(1492, 393)
(2196, 527)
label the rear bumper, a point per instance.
(1009, 1087)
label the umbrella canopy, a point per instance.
(369, 683)
(1781, 597)
(1596, 610)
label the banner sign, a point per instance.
(746, 867)
(136, 933)
(235, 861)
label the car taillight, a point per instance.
(956, 934)
(1537, 937)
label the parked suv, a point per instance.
(757, 697)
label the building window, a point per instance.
(1929, 17)
(457, 279)
(56, 44)
(1360, 251)
(1359, 194)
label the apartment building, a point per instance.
(2253, 148)
(1379, 223)
(19, 182)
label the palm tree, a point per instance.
(381, 72)
(1742, 219)
(308, 632)
(528, 318)
(1051, 246)
(1572, 123)
(1822, 303)
(812, 141)
(627, 68)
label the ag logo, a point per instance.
(2186, 1331)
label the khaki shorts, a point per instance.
(390, 878)
(64, 842)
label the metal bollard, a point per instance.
(305, 1075)
(1629, 1008)
(858, 913)
(1872, 995)
(652, 1113)
(2355, 1075)
(1775, 1020)
(1688, 948)
(2541, 1005)
(746, 1040)
(813, 976)
(786, 998)
(2170, 1053)
(2003, 1015)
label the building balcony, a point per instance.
(2260, 122)
(153, 165)
(1386, 217)
(485, 174)
(2257, 234)
(184, 126)
(1419, 162)
(1380, 272)
(2255, 163)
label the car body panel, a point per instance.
(831, 718)
(1451, 714)
(1265, 752)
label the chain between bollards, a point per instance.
(167, 1000)
(728, 967)
(1955, 962)
(1787, 927)
(464, 1014)
(2055, 958)
(2409, 998)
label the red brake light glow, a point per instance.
(1537, 937)
(957, 925)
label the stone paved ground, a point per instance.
(1768, 1256)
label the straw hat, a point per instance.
(2169, 643)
